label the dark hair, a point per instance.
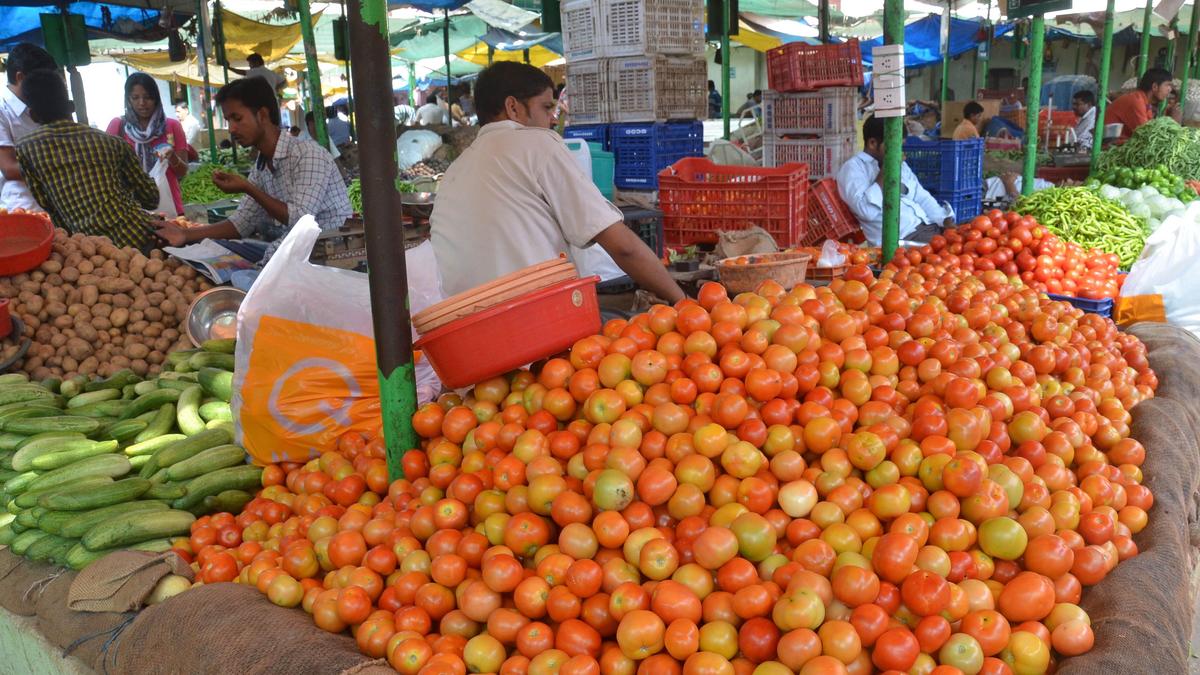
(872, 129)
(433, 98)
(1085, 96)
(330, 112)
(145, 82)
(308, 117)
(972, 108)
(712, 85)
(252, 92)
(182, 104)
(26, 58)
(46, 95)
(1153, 78)
(254, 60)
(507, 78)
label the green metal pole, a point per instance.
(1189, 59)
(349, 84)
(446, 51)
(316, 101)
(219, 20)
(946, 62)
(1102, 85)
(725, 56)
(1144, 53)
(823, 20)
(412, 82)
(987, 55)
(1037, 40)
(202, 52)
(893, 137)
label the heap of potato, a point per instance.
(93, 308)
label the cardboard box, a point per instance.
(952, 116)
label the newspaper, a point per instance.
(214, 258)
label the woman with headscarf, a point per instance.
(150, 133)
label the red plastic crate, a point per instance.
(800, 67)
(828, 215)
(698, 199)
(25, 240)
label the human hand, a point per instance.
(948, 222)
(229, 183)
(169, 232)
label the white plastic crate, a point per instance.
(657, 88)
(582, 30)
(588, 92)
(824, 156)
(640, 27)
(828, 111)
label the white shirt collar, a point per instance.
(14, 103)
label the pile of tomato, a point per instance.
(1018, 246)
(912, 474)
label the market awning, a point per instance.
(502, 15)
(425, 41)
(431, 5)
(478, 54)
(21, 22)
(159, 66)
(922, 40)
(244, 37)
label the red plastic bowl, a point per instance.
(24, 242)
(510, 335)
(5, 319)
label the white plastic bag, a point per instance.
(1168, 268)
(166, 201)
(416, 146)
(830, 255)
(305, 362)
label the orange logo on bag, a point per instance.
(305, 386)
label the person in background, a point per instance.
(860, 184)
(714, 100)
(516, 197)
(431, 113)
(257, 68)
(337, 128)
(922, 120)
(1084, 105)
(152, 135)
(16, 123)
(462, 111)
(309, 133)
(972, 122)
(405, 113)
(191, 125)
(1139, 106)
(86, 180)
(753, 104)
(290, 179)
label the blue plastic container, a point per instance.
(966, 203)
(642, 150)
(1103, 307)
(592, 133)
(946, 166)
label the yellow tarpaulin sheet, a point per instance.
(159, 66)
(244, 37)
(755, 40)
(478, 54)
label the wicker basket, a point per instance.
(494, 293)
(787, 268)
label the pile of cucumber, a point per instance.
(90, 467)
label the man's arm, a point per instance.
(862, 192)
(10, 168)
(232, 183)
(180, 236)
(933, 210)
(31, 180)
(637, 260)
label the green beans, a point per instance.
(1080, 215)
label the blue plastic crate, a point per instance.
(592, 133)
(946, 165)
(966, 203)
(642, 150)
(1103, 306)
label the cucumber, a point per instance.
(216, 410)
(93, 397)
(220, 346)
(15, 486)
(7, 534)
(230, 501)
(110, 465)
(145, 387)
(129, 392)
(76, 523)
(45, 444)
(177, 385)
(37, 425)
(6, 463)
(171, 491)
(151, 401)
(48, 546)
(246, 477)
(24, 393)
(54, 460)
(7, 475)
(29, 517)
(29, 499)
(73, 386)
(52, 383)
(190, 446)
(138, 461)
(179, 377)
(16, 527)
(217, 383)
(115, 382)
(23, 541)
(102, 409)
(124, 430)
(211, 360)
(94, 498)
(177, 357)
(132, 528)
(10, 441)
(227, 425)
(163, 422)
(150, 446)
(79, 557)
(187, 415)
(207, 461)
(13, 378)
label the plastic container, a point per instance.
(946, 165)
(1103, 306)
(642, 150)
(824, 275)
(603, 168)
(829, 111)
(966, 203)
(802, 67)
(656, 88)
(639, 27)
(588, 92)
(592, 133)
(828, 215)
(581, 30)
(699, 199)
(511, 334)
(823, 155)
(25, 241)
(504, 289)
(5, 319)
(787, 268)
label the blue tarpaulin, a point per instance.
(23, 23)
(922, 40)
(431, 5)
(508, 41)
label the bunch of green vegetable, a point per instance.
(1043, 158)
(1080, 215)
(354, 191)
(197, 187)
(1158, 177)
(227, 158)
(1160, 141)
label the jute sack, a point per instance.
(22, 581)
(121, 581)
(89, 636)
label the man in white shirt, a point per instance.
(259, 69)
(860, 183)
(516, 198)
(1084, 105)
(431, 113)
(16, 124)
(191, 126)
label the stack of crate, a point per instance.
(809, 111)
(637, 82)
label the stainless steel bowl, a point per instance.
(417, 198)
(213, 314)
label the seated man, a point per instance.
(86, 180)
(972, 122)
(860, 183)
(1084, 105)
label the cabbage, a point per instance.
(1110, 192)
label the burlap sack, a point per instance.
(85, 635)
(229, 628)
(121, 581)
(22, 582)
(734, 243)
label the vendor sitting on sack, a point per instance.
(860, 183)
(292, 177)
(516, 198)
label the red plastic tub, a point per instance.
(5, 319)
(24, 242)
(510, 335)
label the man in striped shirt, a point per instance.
(86, 180)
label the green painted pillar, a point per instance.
(725, 57)
(987, 54)
(202, 55)
(316, 101)
(1189, 58)
(946, 62)
(1037, 40)
(893, 138)
(1144, 52)
(1102, 85)
(446, 50)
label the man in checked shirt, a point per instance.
(291, 178)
